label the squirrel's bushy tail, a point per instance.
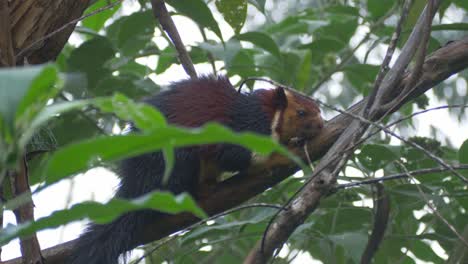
(103, 244)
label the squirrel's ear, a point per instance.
(280, 101)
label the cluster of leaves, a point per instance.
(301, 44)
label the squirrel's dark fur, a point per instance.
(281, 113)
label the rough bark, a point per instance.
(32, 20)
(30, 248)
(381, 216)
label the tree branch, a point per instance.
(324, 176)
(161, 13)
(7, 57)
(388, 56)
(31, 20)
(71, 24)
(30, 248)
(382, 213)
(399, 176)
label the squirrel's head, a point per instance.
(296, 117)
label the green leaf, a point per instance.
(131, 67)
(90, 58)
(261, 40)
(133, 33)
(72, 127)
(417, 7)
(290, 65)
(348, 219)
(321, 47)
(461, 3)
(422, 101)
(104, 213)
(144, 117)
(378, 8)
(352, 242)
(361, 76)
(146, 85)
(199, 12)
(259, 4)
(375, 157)
(41, 90)
(424, 252)
(227, 226)
(92, 152)
(304, 72)
(234, 12)
(343, 10)
(5, 136)
(14, 85)
(166, 59)
(123, 83)
(463, 153)
(295, 25)
(43, 140)
(452, 26)
(341, 29)
(45, 115)
(226, 52)
(169, 162)
(243, 64)
(97, 20)
(76, 84)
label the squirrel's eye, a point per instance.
(301, 113)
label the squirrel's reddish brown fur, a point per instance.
(281, 113)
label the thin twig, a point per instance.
(406, 118)
(161, 13)
(208, 53)
(381, 216)
(19, 180)
(398, 176)
(73, 22)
